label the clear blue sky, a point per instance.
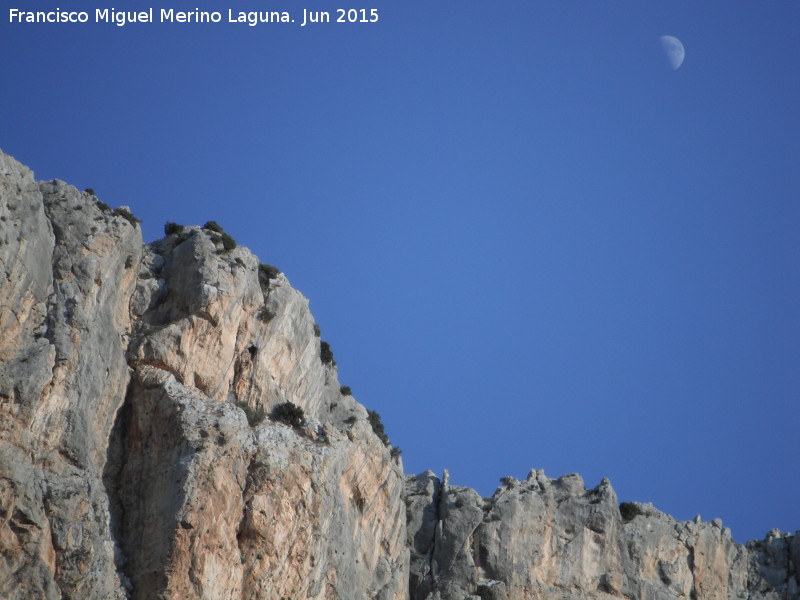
(529, 241)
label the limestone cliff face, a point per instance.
(63, 373)
(129, 469)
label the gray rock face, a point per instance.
(553, 538)
(136, 462)
(64, 316)
(776, 559)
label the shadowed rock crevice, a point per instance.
(112, 482)
(145, 453)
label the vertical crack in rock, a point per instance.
(423, 518)
(112, 482)
(243, 531)
(691, 565)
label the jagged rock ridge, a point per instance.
(129, 469)
(548, 538)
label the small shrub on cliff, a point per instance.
(629, 511)
(345, 390)
(377, 426)
(254, 415)
(288, 413)
(103, 206)
(213, 226)
(266, 273)
(228, 243)
(484, 592)
(90, 191)
(326, 354)
(218, 235)
(127, 215)
(171, 228)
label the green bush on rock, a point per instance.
(289, 413)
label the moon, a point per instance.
(674, 50)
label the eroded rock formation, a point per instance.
(548, 538)
(133, 463)
(127, 470)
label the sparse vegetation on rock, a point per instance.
(254, 415)
(127, 215)
(377, 426)
(171, 228)
(266, 273)
(228, 243)
(213, 226)
(289, 413)
(218, 235)
(326, 354)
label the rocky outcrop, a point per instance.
(775, 564)
(137, 461)
(548, 538)
(128, 467)
(63, 373)
(268, 512)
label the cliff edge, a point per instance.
(172, 426)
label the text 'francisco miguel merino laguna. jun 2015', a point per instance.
(121, 18)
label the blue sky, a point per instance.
(529, 241)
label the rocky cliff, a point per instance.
(548, 538)
(136, 460)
